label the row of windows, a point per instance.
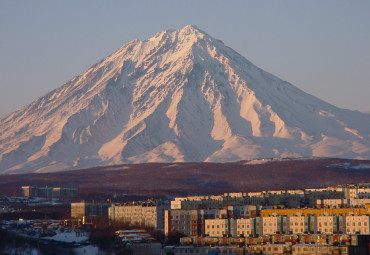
(202, 251)
(359, 224)
(218, 226)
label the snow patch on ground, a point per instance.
(20, 251)
(350, 166)
(267, 160)
(172, 165)
(68, 237)
(89, 249)
(258, 161)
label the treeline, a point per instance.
(56, 212)
(103, 234)
(9, 240)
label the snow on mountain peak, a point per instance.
(179, 96)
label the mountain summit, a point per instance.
(178, 96)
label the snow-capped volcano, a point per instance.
(178, 96)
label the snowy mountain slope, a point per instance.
(179, 96)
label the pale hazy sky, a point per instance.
(322, 47)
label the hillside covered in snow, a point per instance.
(180, 96)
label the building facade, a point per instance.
(144, 214)
(49, 192)
(83, 209)
(357, 224)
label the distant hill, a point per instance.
(200, 178)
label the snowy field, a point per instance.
(68, 237)
(89, 249)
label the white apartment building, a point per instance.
(197, 202)
(298, 224)
(220, 227)
(243, 211)
(363, 192)
(331, 203)
(269, 225)
(255, 194)
(342, 202)
(361, 202)
(326, 224)
(351, 193)
(235, 194)
(360, 224)
(245, 227)
(296, 192)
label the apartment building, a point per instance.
(287, 198)
(326, 224)
(357, 224)
(314, 212)
(146, 214)
(29, 191)
(49, 192)
(298, 224)
(197, 202)
(270, 225)
(188, 222)
(214, 202)
(342, 203)
(357, 191)
(332, 203)
(79, 210)
(220, 227)
(245, 227)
